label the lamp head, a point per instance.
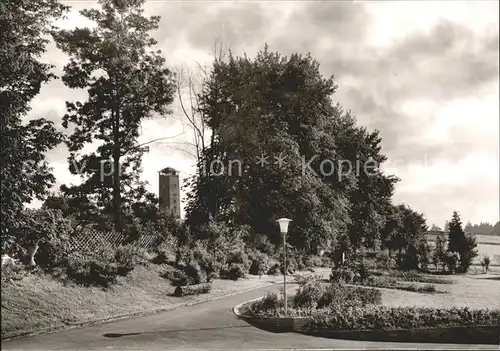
(283, 222)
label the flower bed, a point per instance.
(352, 312)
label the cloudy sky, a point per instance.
(426, 74)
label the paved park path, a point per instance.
(207, 326)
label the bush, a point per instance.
(12, 272)
(55, 236)
(392, 283)
(485, 263)
(417, 277)
(309, 294)
(377, 317)
(235, 271)
(385, 262)
(239, 257)
(314, 296)
(313, 261)
(342, 274)
(193, 289)
(304, 279)
(127, 258)
(195, 273)
(177, 276)
(267, 305)
(260, 264)
(291, 264)
(326, 261)
(451, 261)
(274, 269)
(341, 295)
(206, 261)
(98, 269)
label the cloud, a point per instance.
(423, 73)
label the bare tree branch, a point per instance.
(150, 142)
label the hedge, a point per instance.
(376, 317)
(193, 289)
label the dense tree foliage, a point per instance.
(281, 108)
(24, 173)
(483, 228)
(126, 82)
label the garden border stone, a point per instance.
(489, 335)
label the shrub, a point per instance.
(417, 277)
(177, 276)
(235, 271)
(485, 263)
(341, 295)
(342, 274)
(390, 318)
(98, 269)
(195, 273)
(12, 272)
(206, 261)
(291, 264)
(193, 289)
(55, 232)
(304, 279)
(314, 296)
(239, 257)
(274, 269)
(429, 288)
(300, 260)
(451, 261)
(267, 305)
(260, 264)
(127, 258)
(385, 262)
(309, 294)
(326, 261)
(313, 261)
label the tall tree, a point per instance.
(273, 108)
(456, 234)
(23, 170)
(126, 82)
(464, 244)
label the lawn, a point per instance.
(474, 291)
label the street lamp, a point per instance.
(283, 222)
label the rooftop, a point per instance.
(169, 170)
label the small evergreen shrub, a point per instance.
(193, 289)
(99, 269)
(342, 274)
(235, 271)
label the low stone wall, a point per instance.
(489, 335)
(272, 324)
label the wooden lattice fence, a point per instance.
(94, 239)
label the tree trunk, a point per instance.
(117, 200)
(32, 249)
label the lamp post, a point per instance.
(283, 222)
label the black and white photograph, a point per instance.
(250, 175)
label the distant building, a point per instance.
(169, 191)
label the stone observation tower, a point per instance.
(169, 191)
